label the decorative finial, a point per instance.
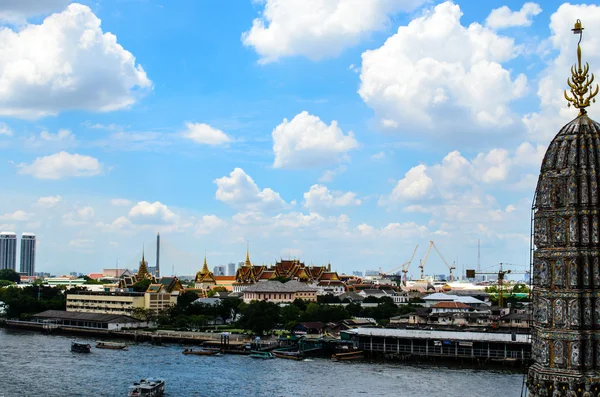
(580, 81)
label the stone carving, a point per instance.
(572, 190)
(587, 392)
(597, 312)
(587, 313)
(573, 154)
(585, 229)
(575, 354)
(562, 154)
(559, 313)
(559, 230)
(586, 271)
(584, 189)
(574, 313)
(573, 231)
(558, 353)
(544, 352)
(573, 276)
(596, 271)
(559, 273)
(595, 237)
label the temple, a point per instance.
(566, 260)
(292, 269)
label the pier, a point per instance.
(424, 344)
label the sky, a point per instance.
(342, 131)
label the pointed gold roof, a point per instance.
(143, 269)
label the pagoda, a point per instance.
(566, 260)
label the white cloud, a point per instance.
(318, 28)
(320, 197)
(378, 156)
(151, 213)
(63, 138)
(297, 220)
(209, 223)
(18, 11)
(416, 184)
(554, 113)
(120, 202)
(17, 216)
(493, 166)
(510, 208)
(205, 134)
(82, 216)
(62, 165)
(239, 190)
(365, 230)
(49, 201)
(503, 17)
(5, 130)
(65, 63)
(436, 73)
(307, 141)
(81, 243)
(329, 175)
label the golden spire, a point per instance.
(580, 81)
(143, 269)
(205, 266)
(247, 263)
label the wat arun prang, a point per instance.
(566, 262)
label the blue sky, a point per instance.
(343, 130)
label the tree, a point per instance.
(143, 314)
(142, 285)
(281, 279)
(214, 290)
(354, 309)
(300, 304)
(329, 298)
(260, 317)
(5, 283)
(520, 288)
(89, 280)
(10, 275)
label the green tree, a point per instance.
(91, 281)
(281, 279)
(289, 313)
(354, 309)
(6, 283)
(143, 314)
(214, 290)
(300, 304)
(10, 275)
(520, 288)
(328, 298)
(260, 317)
(142, 285)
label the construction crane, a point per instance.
(500, 274)
(450, 268)
(424, 261)
(403, 266)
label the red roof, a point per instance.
(224, 278)
(95, 276)
(450, 305)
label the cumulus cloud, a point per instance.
(49, 201)
(66, 63)
(205, 134)
(544, 124)
(151, 213)
(63, 138)
(61, 165)
(18, 11)
(320, 197)
(209, 223)
(416, 184)
(239, 190)
(503, 17)
(318, 28)
(18, 216)
(306, 141)
(437, 74)
(81, 216)
(329, 175)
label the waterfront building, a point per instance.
(63, 281)
(104, 302)
(277, 292)
(566, 260)
(8, 250)
(65, 319)
(28, 253)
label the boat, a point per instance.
(288, 355)
(352, 355)
(261, 354)
(150, 387)
(79, 347)
(202, 352)
(111, 345)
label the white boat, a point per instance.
(150, 387)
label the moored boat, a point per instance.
(352, 355)
(150, 387)
(79, 347)
(202, 352)
(261, 355)
(288, 355)
(111, 345)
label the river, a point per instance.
(33, 364)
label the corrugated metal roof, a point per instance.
(97, 317)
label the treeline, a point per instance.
(261, 317)
(22, 303)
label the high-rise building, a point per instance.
(231, 269)
(357, 273)
(28, 253)
(219, 270)
(8, 250)
(157, 267)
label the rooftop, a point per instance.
(276, 286)
(102, 318)
(450, 305)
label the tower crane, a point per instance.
(500, 274)
(450, 268)
(424, 261)
(404, 266)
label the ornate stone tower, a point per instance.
(566, 262)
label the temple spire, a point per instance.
(581, 80)
(247, 262)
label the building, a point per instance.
(28, 253)
(357, 273)
(230, 269)
(63, 281)
(8, 250)
(105, 302)
(450, 307)
(111, 322)
(371, 273)
(219, 270)
(277, 292)
(566, 260)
